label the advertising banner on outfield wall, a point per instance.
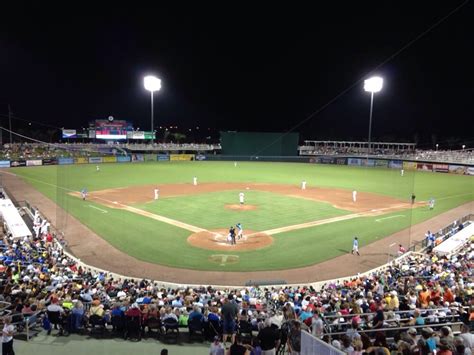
(367, 162)
(181, 157)
(470, 170)
(4, 163)
(109, 159)
(81, 160)
(341, 161)
(441, 168)
(353, 161)
(65, 161)
(122, 159)
(163, 157)
(381, 163)
(200, 157)
(15, 163)
(150, 157)
(50, 162)
(35, 162)
(424, 166)
(409, 165)
(398, 164)
(94, 160)
(458, 169)
(137, 157)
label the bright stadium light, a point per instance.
(372, 85)
(152, 84)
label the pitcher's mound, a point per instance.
(243, 207)
(217, 240)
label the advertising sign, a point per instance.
(381, 163)
(95, 160)
(341, 161)
(81, 160)
(50, 162)
(409, 165)
(16, 163)
(470, 170)
(150, 157)
(441, 168)
(398, 164)
(181, 157)
(458, 169)
(200, 157)
(353, 161)
(109, 159)
(69, 133)
(424, 166)
(122, 159)
(367, 162)
(35, 162)
(163, 157)
(4, 163)
(137, 157)
(65, 161)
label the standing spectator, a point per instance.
(229, 314)
(269, 338)
(7, 336)
(468, 338)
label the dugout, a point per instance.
(259, 143)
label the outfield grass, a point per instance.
(157, 242)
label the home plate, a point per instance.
(115, 202)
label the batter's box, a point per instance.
(224, 259)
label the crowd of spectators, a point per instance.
(448, 156)
(411, 307)
(30, 151)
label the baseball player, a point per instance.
(240, 231)
(195, 181)
(232, 235)
(97, 168)
(354, 196)
(431, 203)
(84, 194)
(157, 194)
(235, 164)
(413, 198)
(402, 172)
(303, 185)
(241, 198)
(355, 246)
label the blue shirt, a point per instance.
(355, 243)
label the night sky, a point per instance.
(240, 67)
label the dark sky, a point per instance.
(235, 67)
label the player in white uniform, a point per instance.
(303, 185)
(354, 196)
(157, 194)
(235, 164)
(195, 181)
(84, 193)
(355, 246)
(240, 231)
(402, 172)
(241, 198)
(97, 168)
(432, 203)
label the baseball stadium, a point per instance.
(206, 184)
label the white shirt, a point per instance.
(241, 196)
(7, 329)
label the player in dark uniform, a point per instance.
(413, 198)
(232, 235)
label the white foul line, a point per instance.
(389, 217)
(97, 208)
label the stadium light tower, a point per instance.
(372, 85)
(152, 84)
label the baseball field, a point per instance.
(284, 226)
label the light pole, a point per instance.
(463, 146)
(372, 85)
(152, 84)
(437, 145)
